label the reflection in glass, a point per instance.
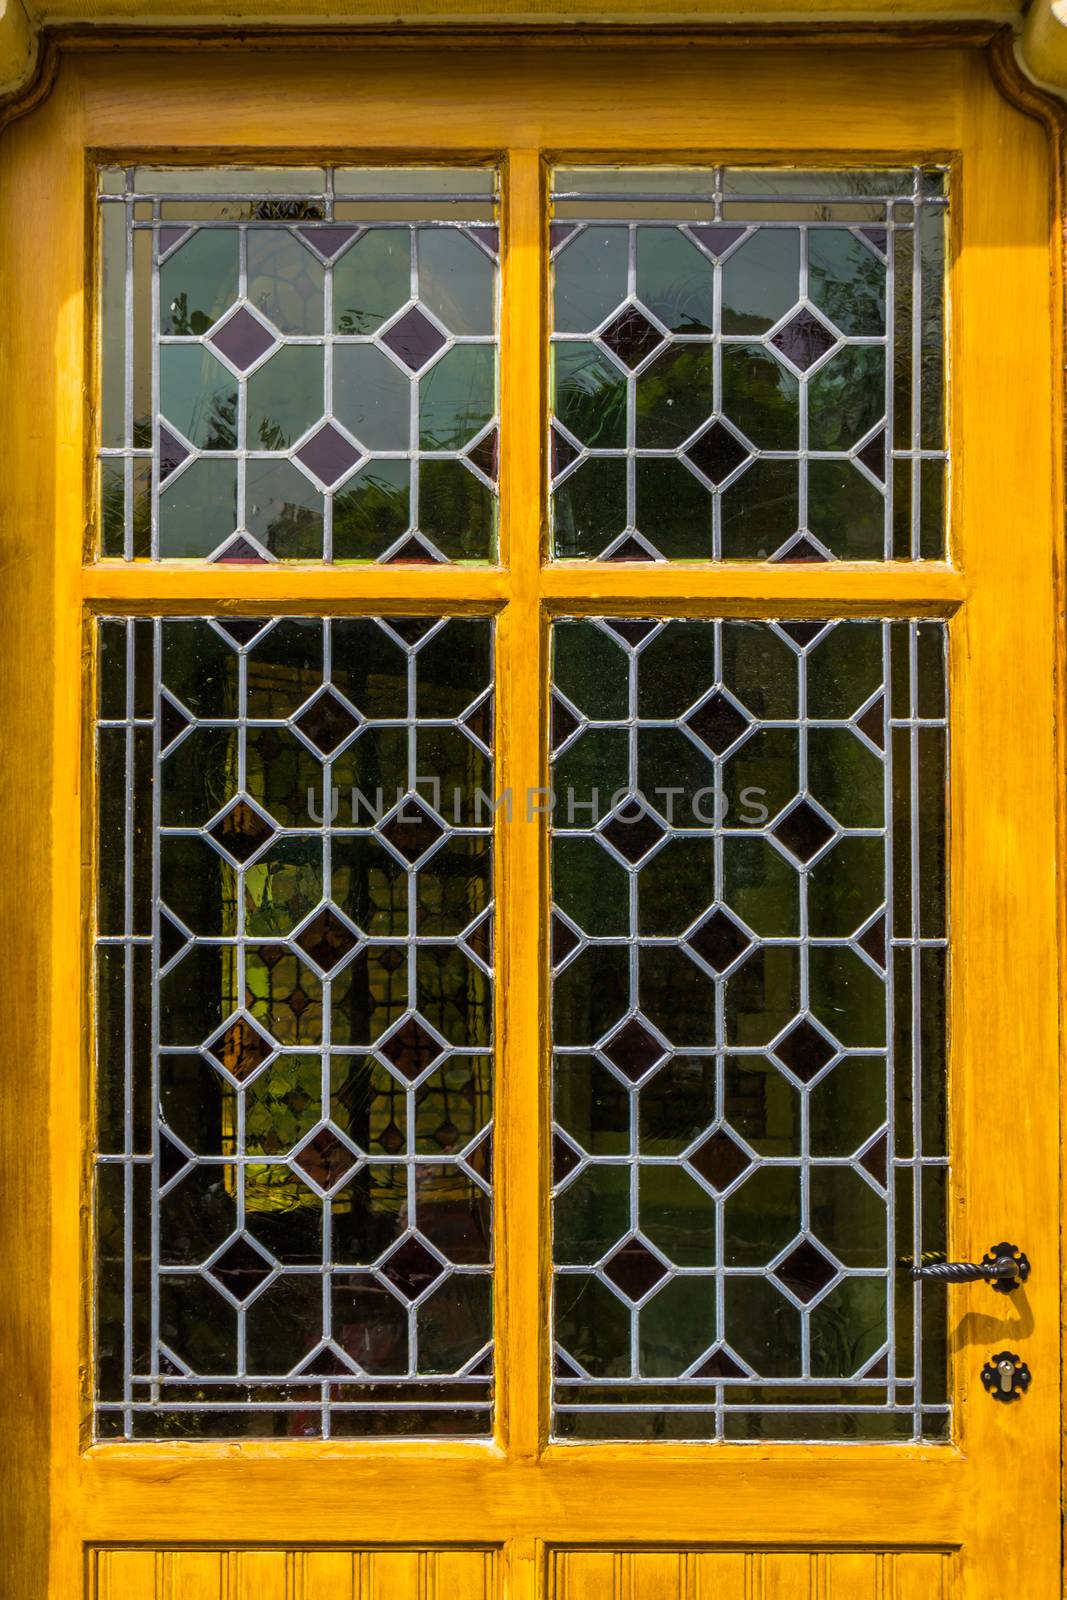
(732, 364)
(310, 332)
(294, 1036)
(748, 1010)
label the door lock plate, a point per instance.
(1006, 1376)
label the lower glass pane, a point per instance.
(748, 875)
(294, 1024)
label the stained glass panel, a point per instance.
(299, 365)
(748, 1000)
(294, 1022)
(747, 365)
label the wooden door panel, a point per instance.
(292, 1574)
(751, 1575)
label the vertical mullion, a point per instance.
(521, 1226)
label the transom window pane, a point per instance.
(294, 1004)
(747, 365)
(299, 364)
(748, 954)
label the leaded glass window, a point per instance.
(295, 1009)
(747, 364)
(294, 1002)
(299, 364)
(748, 956)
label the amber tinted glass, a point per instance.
(748, 952)
(294, 1002)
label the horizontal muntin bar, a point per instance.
(459, 1404)
(401, 1380)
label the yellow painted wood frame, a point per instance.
(977, 1518)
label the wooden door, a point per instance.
(618, 1446)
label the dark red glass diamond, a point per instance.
(719, 941)
(412, 552)
(872, 941)
(410, 1049)
(411, 629)
(242, 1268)
(873, 456)
(243, 339)
(485, 454)
(803, 831)
(806, 1271)
(242, 1049)
(720, 1160)
(805, 1050)
(631, 549)
(804, 339)
(717, 453)
(242, 630)
(719, 1364)
(411, 830)
(172, 1160)
(633, 835)
(875, 1160)
(872, 722)
(327, 722)
(328, 454)
(241, 831)
(718, 722)
(326, 1159)
(563, 722)
(564, 940)
(802, 633)
(564, 1159)
(327, 939)
(633, 1049)
(171, 939)
(172, 721)
(414, 339)
(631, 336)
(634, 1269)
(633, 629)
(411, 1268)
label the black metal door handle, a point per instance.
(1004, 1266)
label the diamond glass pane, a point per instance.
(294, 1039)
(299, 365)
(747, 365)
(748, 1012)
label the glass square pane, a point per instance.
(747, 365)
(294, 991)
(748, 1012)
(299, 365)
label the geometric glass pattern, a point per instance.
(299, 365)
(294, 975)
(748, 1013)
(747, 365)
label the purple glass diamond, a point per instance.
(329, 455)
(329, 242)
(243, 339)
(414, 339)
(171, 453)
(804, 340)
